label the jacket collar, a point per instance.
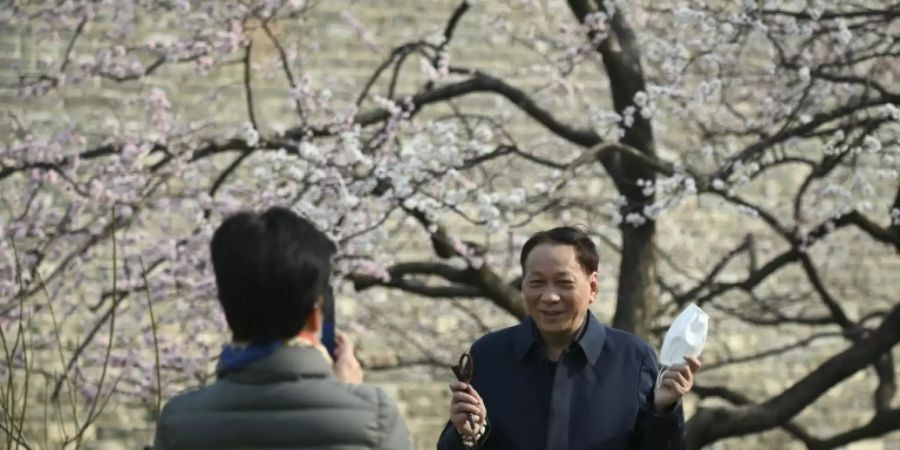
(287, 363)
(590, 338)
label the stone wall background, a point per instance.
(349, 55)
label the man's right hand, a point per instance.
(466, 401)
(346, 367)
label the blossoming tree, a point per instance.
(650, 121)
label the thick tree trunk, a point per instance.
(636, 296)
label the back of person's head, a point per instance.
(270, 268)
(585, 249)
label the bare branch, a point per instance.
(837, 313)
(750, 282)
(285, 66)
(737, 398)
(777, 410)
(448, 35)
(777, 317)
(883, 422)
(364, 282)
(479, 82)
(483, 277)
(220, 180)
(889, 235)
(396, 53)
(717, 268)
(829, 15)
(404, 363)
(887, 383)
(248, 89)
(67, 55)
(769, 352)
(817, 120)
(399, 273)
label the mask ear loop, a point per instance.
(662, 369)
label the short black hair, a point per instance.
(270, 269)
(585, 249)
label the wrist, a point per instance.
(666, 408)
(472, 440)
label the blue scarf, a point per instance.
(236, 357)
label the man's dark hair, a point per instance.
(270, 268)
(585, 250)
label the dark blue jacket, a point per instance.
(598, 396)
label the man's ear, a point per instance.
(595, 286)
(314, 321)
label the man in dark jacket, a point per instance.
(277, 386)
(561, 380)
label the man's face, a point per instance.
(556, 289)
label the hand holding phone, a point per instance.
(346, 366)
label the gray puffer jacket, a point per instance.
(287, 400)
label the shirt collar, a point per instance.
(286, 362)
(591, 338)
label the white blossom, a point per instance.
(635, 219)
(249, 134)
(871, 144)
(844, 35)
(718, 184)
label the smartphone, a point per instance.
(328, 320)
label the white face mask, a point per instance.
(686, 336)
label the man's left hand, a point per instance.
(676, 381)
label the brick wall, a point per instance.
(422, 392)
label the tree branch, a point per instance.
(754, 418)
(404, 363)
(837, 313)
(706, 282)
(889, 235)
(817, 120)
(769, 352)
(398, 279)
(483, 277)
(448, 35)
(750, 282)
(248, 89)
(285, 66)
(479, 82)
(396, 53)
(883, 422)
(67, 55)
(361, 283)
(220, 180)
(737, 398)
(881, 13)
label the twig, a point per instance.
(153, 327)
(248, 90)
(285, 65)
(111, 338)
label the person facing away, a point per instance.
(276, 386)
(561, 380)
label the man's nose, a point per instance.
(550, 297)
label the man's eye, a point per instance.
(535, 282)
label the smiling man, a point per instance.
(562, 380)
